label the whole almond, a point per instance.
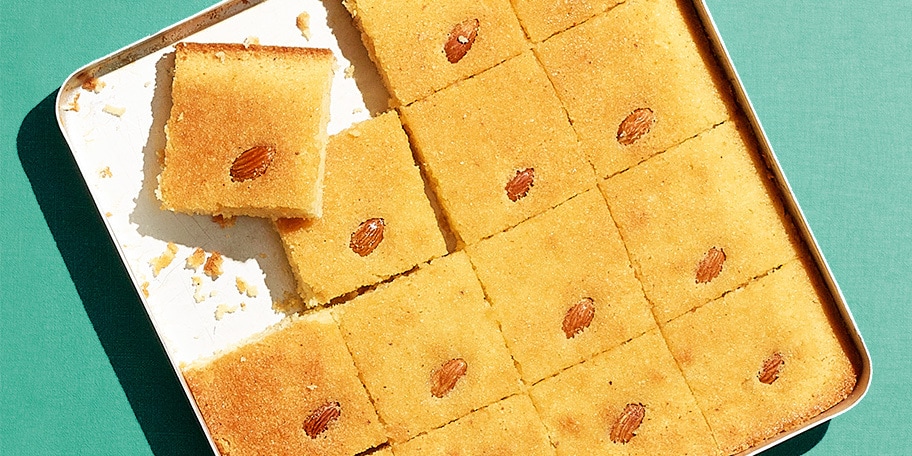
(444, 379)
(460, 40)
(520, 184)
(368, 236)
(320, 419)
(711, 265)
(772, 366)
(252, 163)
(579, 317)
(635, 125)
(627, 423)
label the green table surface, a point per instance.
(82, 372)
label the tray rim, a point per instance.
(114, 60)
(793, 208)
(224, 9)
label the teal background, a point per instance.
(81, 371)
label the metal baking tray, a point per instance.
(115, 133)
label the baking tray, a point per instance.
(115, 133)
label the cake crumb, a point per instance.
(213, 293)
(162, 261)
(108, 214)
(243, 305)
(105, 172)
(93, 84)
(197, 286)
(303, 23)
(349, 72)
(224, 222)
(357, 110)
(196, 259)
(245, 288)
(251, 41)
(144, 288)
(222, 309)
(289, 304)
(115, 111)
(213, 266)
(73, 105)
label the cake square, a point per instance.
(636, 81)
(543, 314)
(543, 18)
(765, 357)
(631, 400)
(510, 427)
(247, 131)
(700, 220)
(426, 348)
(420, 47)
(377, 220)
(267, 396)
(497, 148)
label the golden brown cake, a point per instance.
(292, 391)
(497, 148)
(588, 258)
(371, 177)
(699, 220)
(562, 287)
(631, 400)
(764, 358)
(426, 348)
(636, 81)
(510, 427)
(421, 46)
(543, 18)
(247, 131)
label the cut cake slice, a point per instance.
(426, 347)
(422, 46)
(291, 391)
(497, 148)
(377, 220)
(700, 219)
(635, 81)
(630, 400)
(562, 287)
(247, 131)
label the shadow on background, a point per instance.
(800, 444)
(116, 312)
